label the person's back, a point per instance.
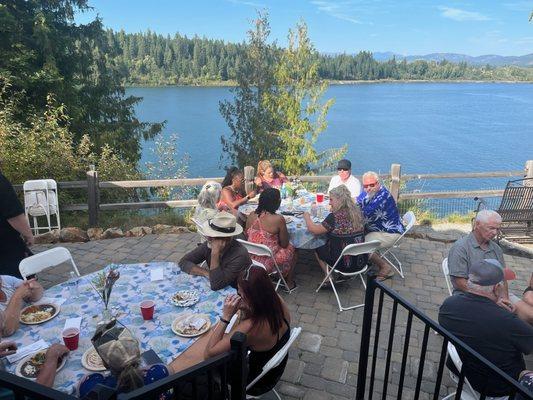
(493, 332)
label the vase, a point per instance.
(106, 316)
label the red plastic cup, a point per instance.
(147, 309)
(71, 337)
(319, 198)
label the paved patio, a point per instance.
(323, 363)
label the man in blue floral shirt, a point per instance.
(382, 220)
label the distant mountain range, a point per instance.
(491, 59)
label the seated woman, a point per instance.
(267, 177)
(233, 194)
(13, 293)
(207, 201)
(344, 226)
(266, 227)
(265, 320)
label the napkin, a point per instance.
(157, 274)
(193, 322)
(73, 323)
(50, 300)
(26, 350)
(231, 323)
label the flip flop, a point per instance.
(382, 278)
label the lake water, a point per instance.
(426, 127)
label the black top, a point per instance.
(10, 207)
(495, 333)
(258, 359)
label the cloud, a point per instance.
(247, 3)
(462, 15)
(336, 10)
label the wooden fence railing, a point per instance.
(93, 186)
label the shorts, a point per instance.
(386, 239)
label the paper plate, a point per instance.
(185, 298)
(92, 361)
(205, 328)
(50, 308)
(22, 365)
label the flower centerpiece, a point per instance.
(103, 283)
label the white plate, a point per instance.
(21, 362)
(89, 365)
(57, 309)
(198, 333)
(190, 297)
(247, 210)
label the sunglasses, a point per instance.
(370, 185)
(342, 169)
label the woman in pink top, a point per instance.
(267, 177)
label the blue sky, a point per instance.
(403, 26)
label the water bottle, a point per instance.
(74, 290)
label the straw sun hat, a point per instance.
(223, 224)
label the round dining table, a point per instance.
(134, 285)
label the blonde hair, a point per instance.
(262, 166)
(372, 174)
(344, 197)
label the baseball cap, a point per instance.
(344, 164)
(486, 272)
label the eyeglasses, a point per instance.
(370, 185)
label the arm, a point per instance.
(47, 373)
(12, 312)
(226, 273)
(458, 266)
(190, 262)
(36, 291)
(20, 224)
(315, 229)
(283, 233)
(459, 283)
(227, 198)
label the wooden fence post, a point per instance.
(529, 173)
(249, 175)
(395, 173)
(93, 196)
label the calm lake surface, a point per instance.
(426, 127)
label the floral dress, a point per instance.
(284, 256)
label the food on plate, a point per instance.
(37, 313)
(185, 298)
(92, 361)
(31, 367)
(191, 325)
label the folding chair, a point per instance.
(264, 251)
(274, 362)
(40, 199)
(49, 258)
(410, 220)
(199, 229)
(446, 272)
(350, 250)
(468, 392)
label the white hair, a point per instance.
(371, 174)
(209, 195)
(485, 216)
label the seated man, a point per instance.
(225, 257)
(13, 293)
(344, 177)
(382, 221)
(495, 333)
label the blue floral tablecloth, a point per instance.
(132, 287)
(299, 236)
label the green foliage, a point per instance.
(44, 53)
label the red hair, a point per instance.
(263, 301)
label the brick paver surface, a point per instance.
(323, 363)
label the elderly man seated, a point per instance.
(479, 245)
(225, 257)
(13, 293)
(382, 221)
(495, 333)
(344, 177)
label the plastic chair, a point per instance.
(275, 361)
(40, 199)
(350, 250)
(264, 251)
(468, 392)
(410, 220)
(446, 272)
(49, 258)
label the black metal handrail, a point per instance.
(429, 324)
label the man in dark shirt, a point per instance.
(13, 224)
(492, 331)
(226, 258)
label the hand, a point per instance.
(218, 245)
(7, 348)
(505, 303)
(306, 215)
(23, 291)
(231, 305)
(251, 195)
(56, 352)
(30, 240)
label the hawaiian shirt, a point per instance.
(380, 212)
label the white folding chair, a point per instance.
(199, 229)
(53, 201)
(274, 362)
(46, 259)
(468, 392)
(264, 251)
(40, 199)
(446, 272)
(410, 220)
(350, 250)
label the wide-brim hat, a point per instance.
(223, 224)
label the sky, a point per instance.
(406, 27)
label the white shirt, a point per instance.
(353, 184)
(9, 285)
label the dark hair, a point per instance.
(269, 200)
(231, 173)
(261, 298)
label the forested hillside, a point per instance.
(152, 59)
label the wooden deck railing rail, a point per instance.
(93, 187)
